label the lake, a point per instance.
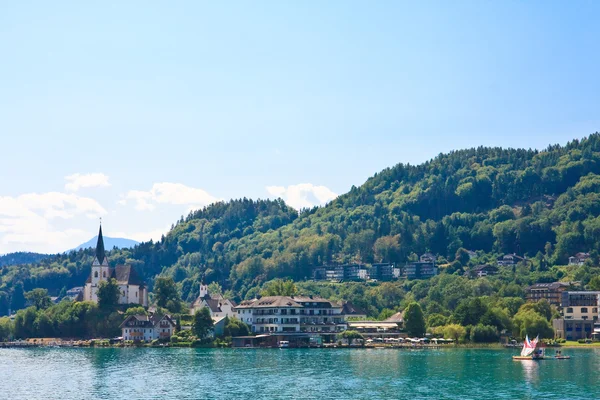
(146, 373)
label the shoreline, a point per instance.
(102, 343)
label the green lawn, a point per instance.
(574, 343)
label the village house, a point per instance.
(219, 307)
(133, 289)
(482, 270)
(145, 328)
(509, 260)
(579, 259)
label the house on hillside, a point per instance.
(482, 270)
(145, 328)
(218, 306)
(133, 288)
(549, 291)
(579, 259)
(425, 268)
(338, 273)
(428, 258)
(382, 271)
(508, 260)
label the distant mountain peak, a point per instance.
(109, 243)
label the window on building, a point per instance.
(104, 274)
(569, 310)
(96, 274)
(584, 309)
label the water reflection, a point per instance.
(530, 371)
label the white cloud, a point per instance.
(77, 181)
(303, 195)
(168, 193)
(26, 221)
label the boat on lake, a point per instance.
(530, 350)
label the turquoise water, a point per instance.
(293, 374)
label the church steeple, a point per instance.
(100, 255)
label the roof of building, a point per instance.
(285, 301)
(580, 292)
(126, 275)
(350, 309)
(218, 320)
(123, 274)
(213, 302)
(484, 266)
(372, 324)
(553, 285)
(100, 254)
(510, 256)
(398, 317)
(582, 255)
(148, 321)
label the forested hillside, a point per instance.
(21, 258)
(541, 204)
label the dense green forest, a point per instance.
(544, 205)
(21, 258)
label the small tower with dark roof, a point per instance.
(100, 254)
(100, 269)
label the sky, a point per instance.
(140, 111)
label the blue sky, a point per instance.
(152, 109)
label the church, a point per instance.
(218, 306)
(133, 289)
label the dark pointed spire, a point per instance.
(100, 247)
